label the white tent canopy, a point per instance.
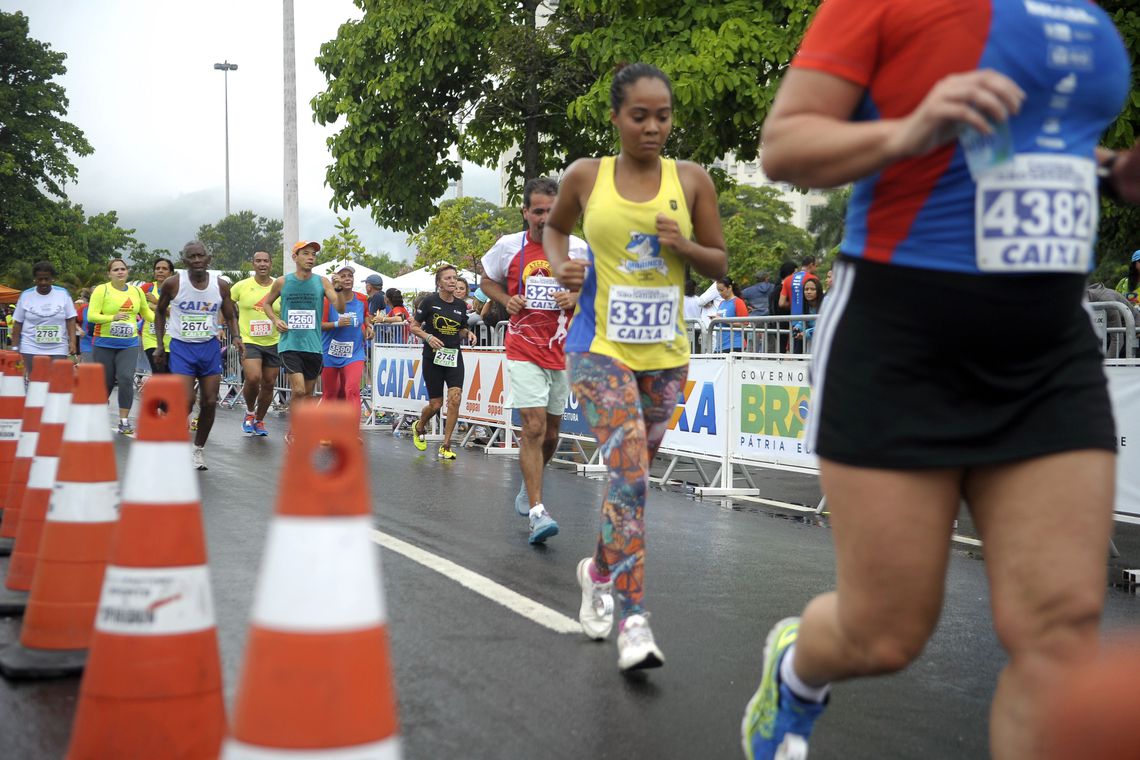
(361, 274)
(421, 281)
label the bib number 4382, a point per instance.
(1037, 214)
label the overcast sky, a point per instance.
(143, 89)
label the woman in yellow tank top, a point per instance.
(645, 218)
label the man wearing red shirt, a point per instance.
(519, 277)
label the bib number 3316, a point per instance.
(641, 315)
(1038, 213)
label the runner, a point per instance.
(518, 276)
(343, 338)
(300, 301)
(629, 353)
(948, 238)
(441, 323)
(43, 323)
(163, 268)
(114, 310)
(261, 365)
(195, 300)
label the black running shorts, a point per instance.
(435, 376)
(925, 369)
(301, 362)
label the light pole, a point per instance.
(226, 68)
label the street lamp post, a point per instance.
(226, 67)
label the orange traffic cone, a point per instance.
(41, 478)
(11, 418)
(317, 680)
(13, 602)
(75, 544)
(153, 684)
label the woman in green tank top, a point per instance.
(627, 347)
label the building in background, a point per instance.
(750, 173)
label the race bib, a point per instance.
(641, 315)
(446, 357)
(1037, 213)
(150, 329)
(339, 349)
(260, 328)
(48, 335)
(302, 319)
(540, 293)
(196, 326)
(123, 329)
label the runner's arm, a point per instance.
(497, 293)
(165, 295)
(706, 253)
(270, 299)
(144, 309)
(14, 338)
(72, 337)
(95, 307)
(808, 140)
(335, 295)
(229, 314)
(564, 215)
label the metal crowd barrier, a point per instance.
(781, 334)
(1116, 341)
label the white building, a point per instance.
(749, 173)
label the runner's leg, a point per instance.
(350, 378)
(269, 377)
(531, 451)
(1046, 524)
(332, 380)
(891, 530)
(252, 369)
(550, 439)
(453, 400)
(126, 360)
(207, 406)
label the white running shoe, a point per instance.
(199, 458)
(636, 648)
(597, 611)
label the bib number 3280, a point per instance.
(1037, 213)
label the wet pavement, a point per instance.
(477, 680)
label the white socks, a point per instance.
(793, 682)
(537, 510)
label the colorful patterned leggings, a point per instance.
(628, 412)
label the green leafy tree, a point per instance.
(104, 239)
(233, 240)
(345, 245)
(827, 222)
(462, 232)
(413, 78)
(1119, 231)
(76, 280)
(758, 232)
(387, 264)
(36, 149)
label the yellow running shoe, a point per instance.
(417, 437)
(446, 453)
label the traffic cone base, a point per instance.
(12, 602)
(17, 661)
(176, 727)
(5, 544)
(389, 749)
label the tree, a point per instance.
(1119, 232)
(827, 221)
(758, 232)
(233, 240)
(345, 245)
(36, 146)
(105, 239)
(462, 231)
(413, 78)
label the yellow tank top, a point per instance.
(630, 305)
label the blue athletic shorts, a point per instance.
(195, 359)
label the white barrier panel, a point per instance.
(484, 386)
(1124, 388)
(398, 383)
(769, 409)
(700, 421)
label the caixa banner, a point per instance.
(699, 424)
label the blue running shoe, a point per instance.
(777, 723)
(247, 424)
(522, 501)
(542, 527)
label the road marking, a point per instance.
(513, 601)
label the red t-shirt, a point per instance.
(535, 335)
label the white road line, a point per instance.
(513, 601)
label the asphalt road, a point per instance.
(477, 680)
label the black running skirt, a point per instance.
(924, 369)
